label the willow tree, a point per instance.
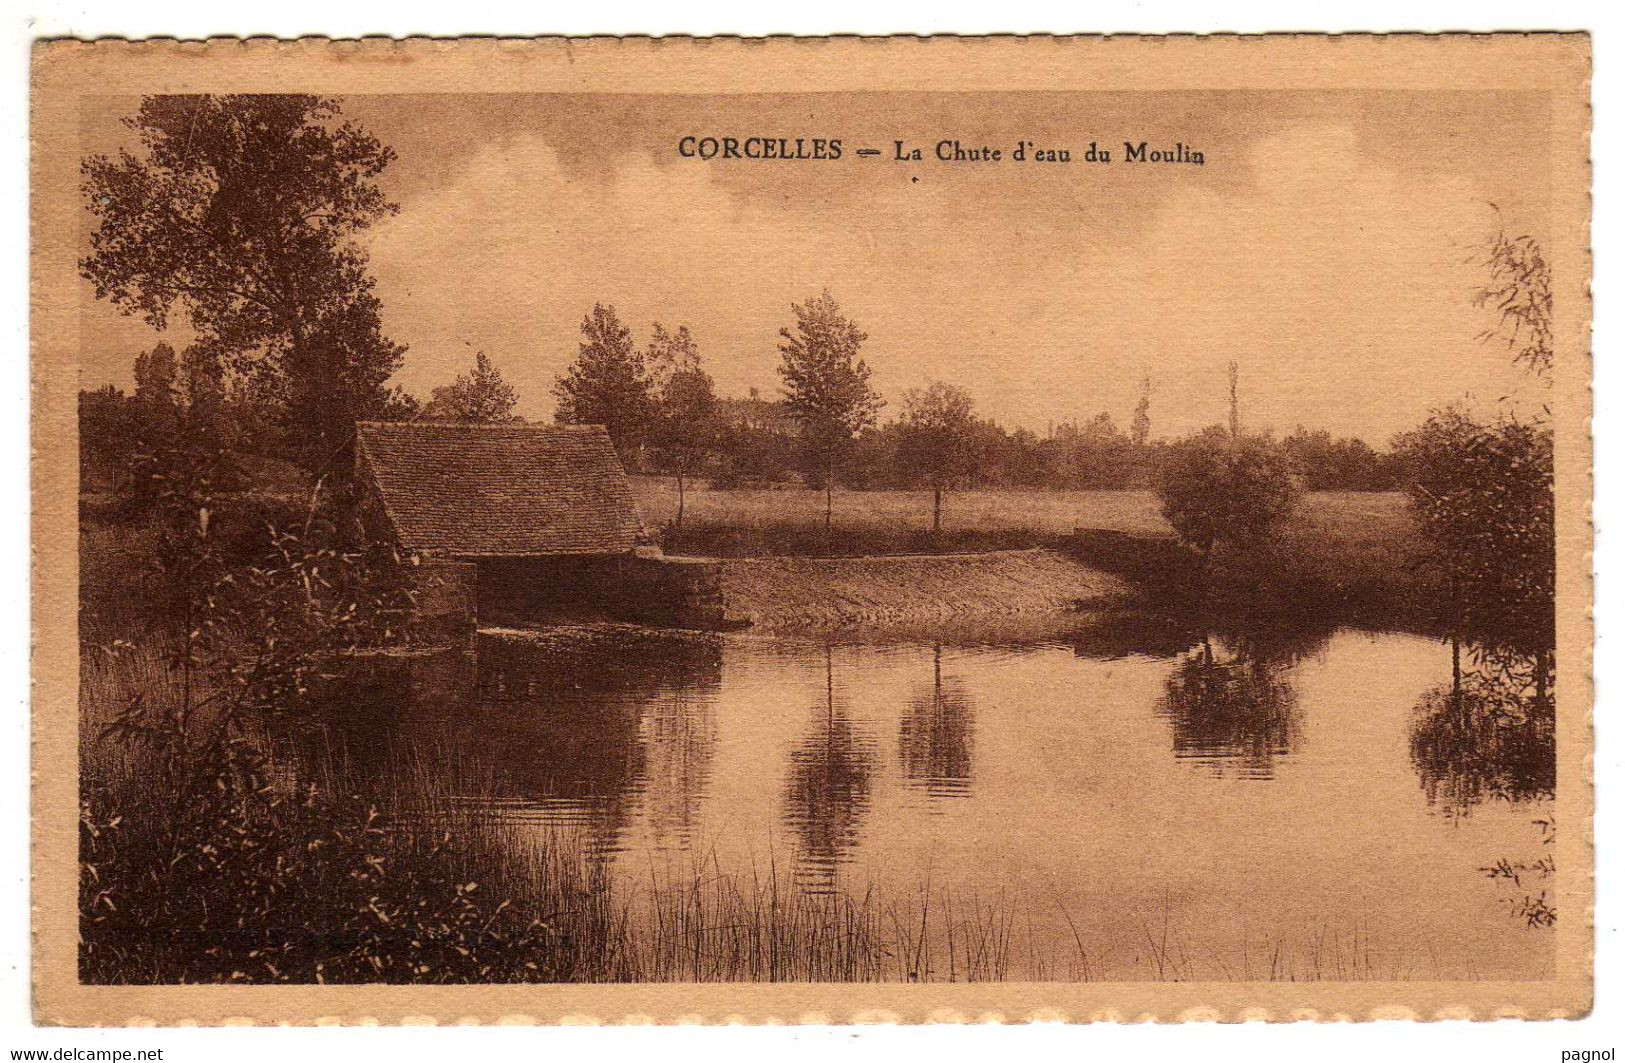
(239, 218)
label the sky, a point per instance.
(1330, 245)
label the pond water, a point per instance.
(1151, 805)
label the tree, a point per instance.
(1217, 488)
(1140, 427)
(106, 434)
(156, 399)
(826, 385)
(481, 396)
(686, 421)
(1235, 400)
(938, 439)
(607, 384)
(1482, 497)
(1327, 464)
(240, 215)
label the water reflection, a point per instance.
(1490, 734)
(577, 731)
(935, 735)
(826, 791)
(1119, 636)
(1231, 714)
(1032, 766)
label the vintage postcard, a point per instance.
(812, 529)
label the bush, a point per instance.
(1218, 489)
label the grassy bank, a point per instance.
(1345, 554)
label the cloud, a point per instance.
(1340, 281)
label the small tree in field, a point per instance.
(1218, 488)
(938, 439)
(481, 396)
(686, 424)
(826, 385)
(607, 384)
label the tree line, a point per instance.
(240, 218)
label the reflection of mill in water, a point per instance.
(578, 732)
(827, 789)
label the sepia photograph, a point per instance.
(658, 529)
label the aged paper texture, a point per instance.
(811, 530)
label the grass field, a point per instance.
(1349, 517)
(1343, 553)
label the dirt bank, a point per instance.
(777, 592)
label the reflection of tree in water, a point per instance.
(934, 738)
(1490, 734)
(569, 723)
(827, 790)
(1235, 714)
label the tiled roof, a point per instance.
(501, 490)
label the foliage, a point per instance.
(608, 384)
(826, 384)
(1520, 293)
(938, 433)
(685, 431)
(1215, 488)
(212, 875)
(482, 396)
(241, 215)
(1324, 463)
(107, 430)
(1481, 493)
(938, 439)
(1140, 426)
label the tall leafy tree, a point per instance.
(1482, 497)
(687, 421)
(482, 395)
(608, 384)
(157, 396)
(826, 385)
(239, 216)
(938, 439)
(1139, 429)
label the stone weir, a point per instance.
(454, 596)
(785, 592)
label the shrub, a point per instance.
(1216, 488)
